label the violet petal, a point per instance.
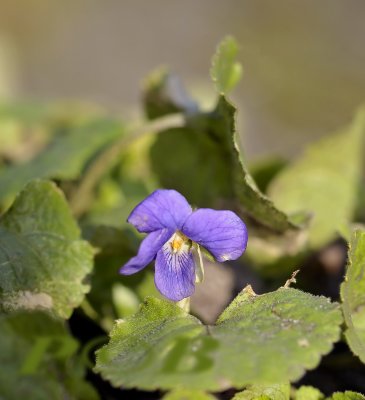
(161, 209)
(147, 251)
(175, 273)
(222, 233)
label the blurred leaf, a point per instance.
(325, 181)
(226, 71)
(264, 392)
(26, 113)
(55, 375)
(263, 171)
(250, 198)
(125, 301)
(22, 131)
(185, 394)
(308, 393)
(163, 347)
(353, 295)
(64, 158)
(185, 160)
(347, 396)
(126, 185)
(43, 262)
(164, 94)
(113, 295)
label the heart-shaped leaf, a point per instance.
(43, 261)
(269, 338)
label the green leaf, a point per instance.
(264, 170)
(308, 393)
(43, 262)
(226, 71)
(64, 158)
(264, 392)
(249, 197)
(187, 150)
(185, 394)
(37, 360)
(353, 295)
(163, 347)
(207, 150)
(324, 181)
(347, 396)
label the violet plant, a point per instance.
(63, 239)
(174, 231)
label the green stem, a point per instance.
(82, 196)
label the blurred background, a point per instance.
(304, 61)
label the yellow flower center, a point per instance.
(177, 241)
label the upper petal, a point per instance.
(161, 209)
(175, 273)
(147, 251)
(222, 233)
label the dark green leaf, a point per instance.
(37, 360)
(207, 150)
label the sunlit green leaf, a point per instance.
(324, 181)
(43, 262)
(269, 338)
(264, 392)
(347, 396)
(353, 295)
(308, 393)
(37, 360)
(185, 394)
(226, 71)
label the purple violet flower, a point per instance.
(174, 229)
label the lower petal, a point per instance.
(147, 251)
(175, 273)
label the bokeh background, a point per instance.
(304, 61)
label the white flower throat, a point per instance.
(179, 242)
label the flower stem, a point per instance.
(81, 198)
